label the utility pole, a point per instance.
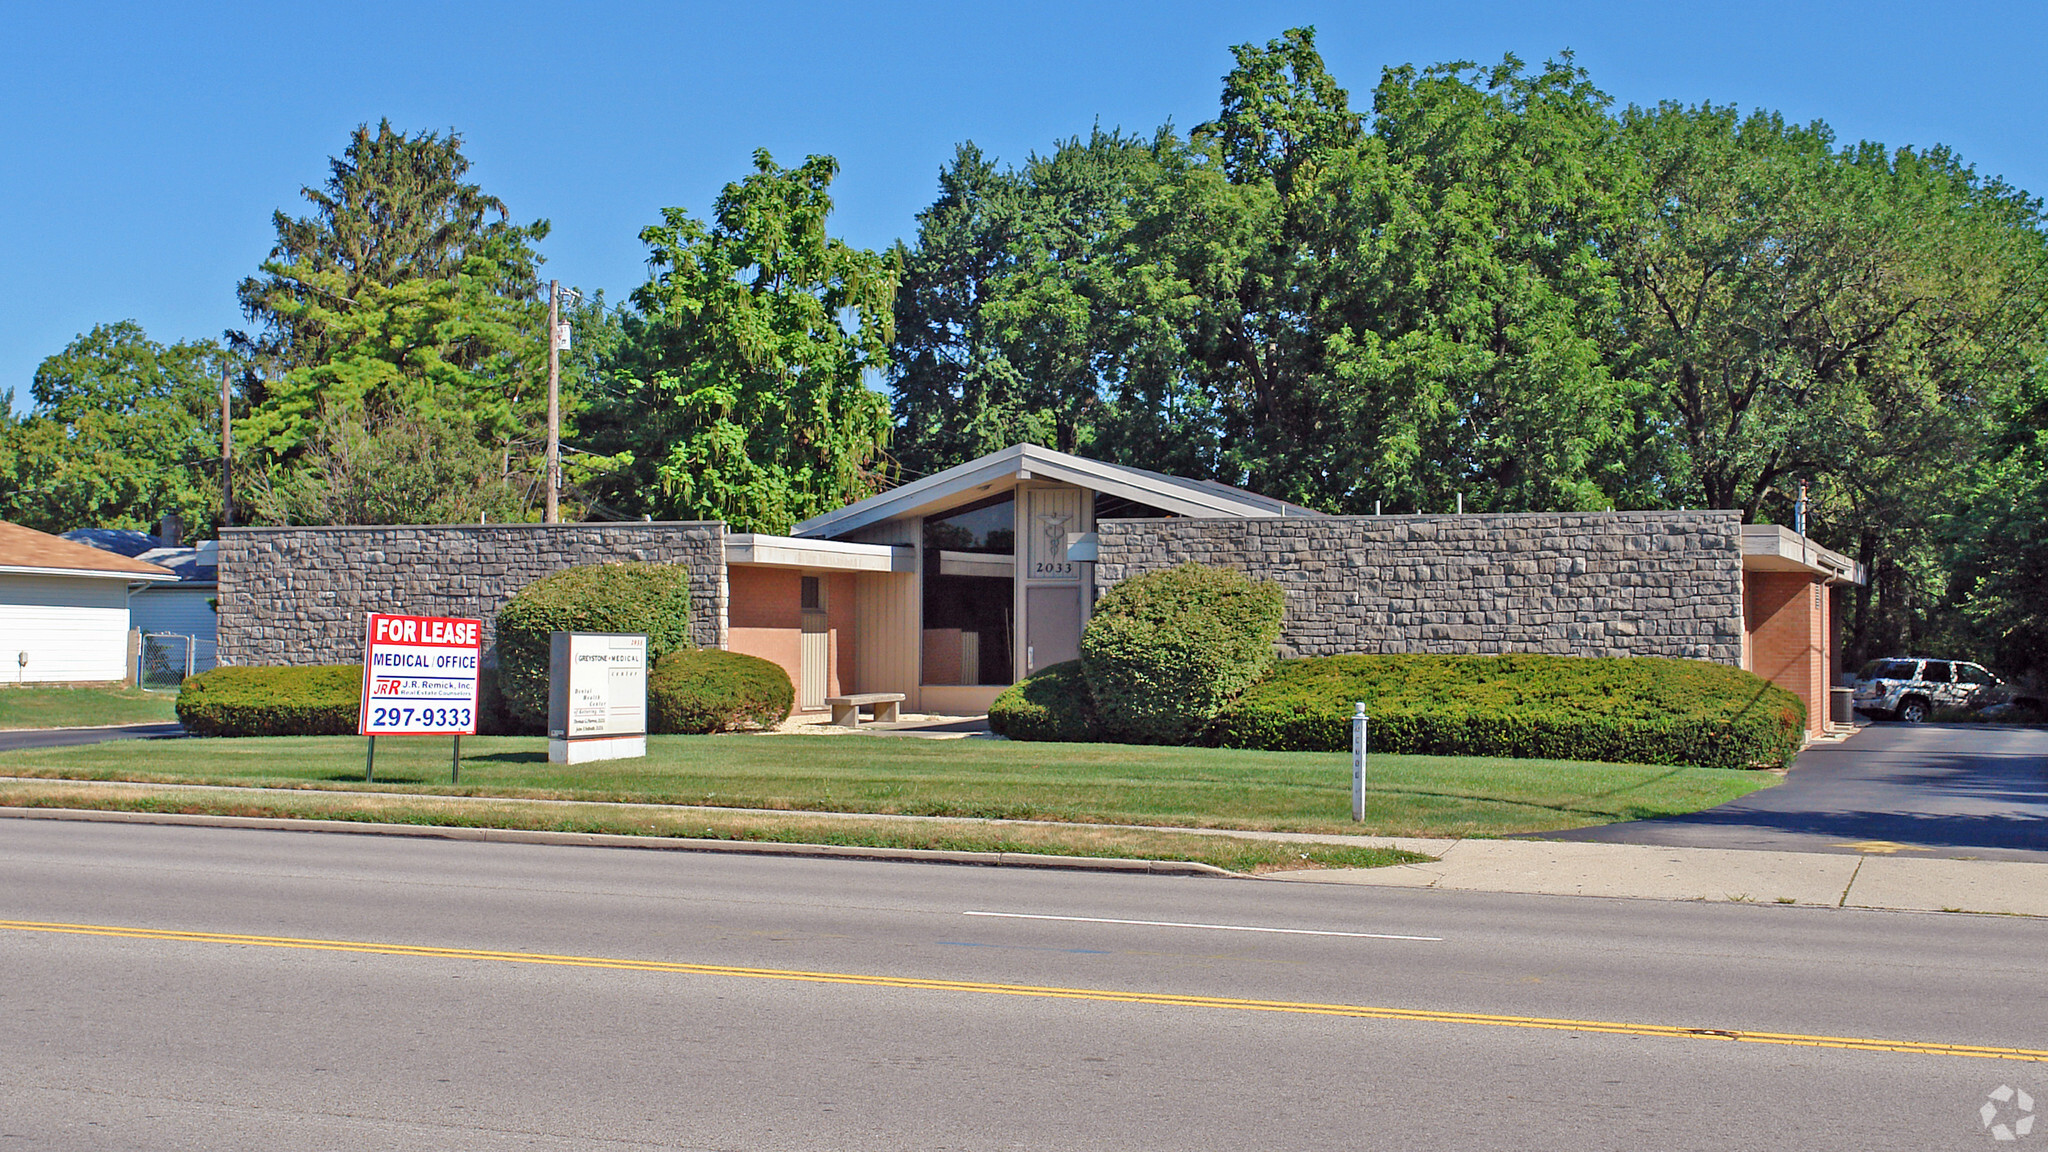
(554, 512)
(227, 450)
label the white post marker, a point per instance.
(597, 696)
(1358, 721)
(419, 679)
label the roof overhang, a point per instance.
(1774, 548)
(762, 550)
(90, 574)
(1001, 471)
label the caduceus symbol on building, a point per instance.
(1056, 533)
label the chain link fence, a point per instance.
(167, 658)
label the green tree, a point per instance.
(1024, 314)
(121, 430)
(1844, 317)
(953, 386)
(743, 393)
(408, 468)
(405, 300)
(2000, 536)
(443, 346)
(394, 208)
(1405, 309)
(1336, 309)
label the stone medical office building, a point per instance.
(952, 587)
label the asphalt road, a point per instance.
(426, 994)
(16, 738)
(1939, 790)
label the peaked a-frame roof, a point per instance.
(1001, 471)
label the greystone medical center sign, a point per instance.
(597, 696)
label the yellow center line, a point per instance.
(1165, 999)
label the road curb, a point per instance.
(102, 727)
(644, 843)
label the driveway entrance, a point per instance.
(1929, 790)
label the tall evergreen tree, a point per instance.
(394, 208)
(406, 295)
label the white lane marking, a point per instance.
(1215, 927)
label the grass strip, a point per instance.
(1234, 854)
(1438, 796)
(46, 706)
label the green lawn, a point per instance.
(1233, 853)
(1089, 783)
(36, 706)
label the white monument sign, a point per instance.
(597, 696)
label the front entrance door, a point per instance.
(816, 646)
(1052, 627)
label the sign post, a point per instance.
(419, 679)
(1358, 723)
(597, 696)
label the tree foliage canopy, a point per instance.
(121, 431)
(1486, 284)
(394, 209)
(742, 390)
(402, 313)
(1496, 286)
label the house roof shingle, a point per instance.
(27, 550)
(129, 542)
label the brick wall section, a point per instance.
(1787, 617)
(299, 595)
(1576, 584)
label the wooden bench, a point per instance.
(846, 709)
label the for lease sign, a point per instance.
(419, 676)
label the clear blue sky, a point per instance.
(144, 146)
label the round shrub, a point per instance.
(313, 700)
(1631, 710)
(1053, 705)
(648, 598)
(1164, 652)
(492, 718)
(702, 690)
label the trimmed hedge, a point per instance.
(1053, 705)
(492, 717)
(649, 598)
(1638, 710)
(1164, 652)
(313, 700)
(704, 690)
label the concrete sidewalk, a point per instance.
(1642, 871)
(1874, 878)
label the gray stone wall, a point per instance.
(299, 595)
(1571, 583)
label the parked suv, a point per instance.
(1910, 688)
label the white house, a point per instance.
(64, 608)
